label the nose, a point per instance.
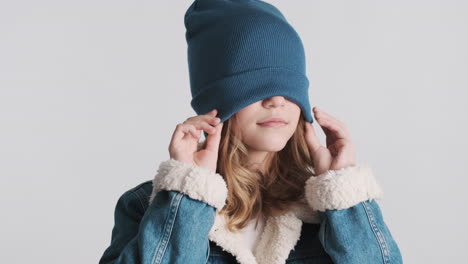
(274, 101)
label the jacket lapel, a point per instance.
(278, 238)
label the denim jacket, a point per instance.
(174, 219)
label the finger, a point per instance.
(213, 120)
(202, 125)
(180, 131)
(333, 128)
(195, 132)
(324, 118)
(193, 129)
(209, 121)
(208, 115)
(212, 112)
(320, 113)
(213, 140)
(330, 137)
(311, 137)
(206, 121)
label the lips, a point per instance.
(273, 124)
(273, 120)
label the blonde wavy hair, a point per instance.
(252, 192)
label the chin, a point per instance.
(269, 146)
(274, 149)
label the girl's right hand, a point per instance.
(184, 141)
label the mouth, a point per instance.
(272, 124)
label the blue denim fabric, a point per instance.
(358, 235)
(174, 229)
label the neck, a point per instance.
(259, 160)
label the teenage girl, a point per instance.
(260, 188)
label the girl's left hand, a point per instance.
(340, 151)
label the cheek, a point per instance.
(246, 128)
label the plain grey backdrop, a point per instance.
(91, 92)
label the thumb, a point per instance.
(311, 138)
(212, 140)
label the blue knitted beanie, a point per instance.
(240, 52)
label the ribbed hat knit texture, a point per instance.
(240, 52)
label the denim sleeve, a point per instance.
(358, 235)
(352, 227)
(175, 226)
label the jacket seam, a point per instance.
(141, 194)
(209, 252)
(377, 233)
(168, 226)
(323, 234)
(139, 199)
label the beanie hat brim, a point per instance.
(243, 89)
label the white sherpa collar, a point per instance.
(278, 238)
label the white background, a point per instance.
(91, 92)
